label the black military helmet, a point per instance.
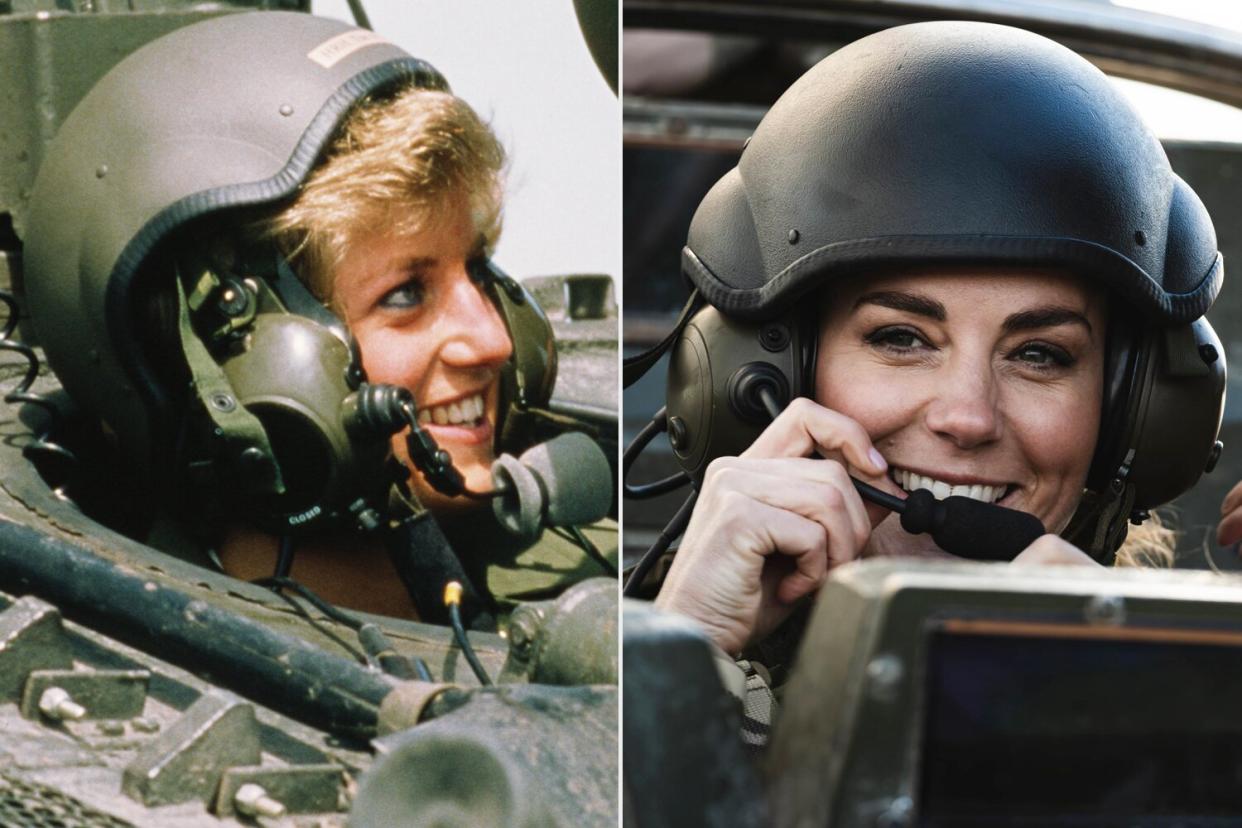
(229, 113)
(952, 142)
(969, 144)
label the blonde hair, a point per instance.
(395, 164)
(1150, 544)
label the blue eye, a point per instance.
(403, 297)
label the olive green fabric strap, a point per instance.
(240, 429)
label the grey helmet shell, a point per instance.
(952, 142)
(224, 113)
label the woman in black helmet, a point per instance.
(968, 264)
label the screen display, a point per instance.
(1039, 724)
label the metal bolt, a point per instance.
(142, 724)
(774, 337)
(884, 675)
(111, 727)
(1106, 610)
(252, 800)
(56, 703)
(1208, 353)
(523, 626)
(222, 402)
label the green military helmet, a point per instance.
(222, 115)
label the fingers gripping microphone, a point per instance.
(563, 482)
(959, 525)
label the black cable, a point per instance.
(434, 462)
(670, 533)
(284, 561)
(379, 649)
(301, 610)
(455, 616)
(40, 442)
(642, 491)
(420, 666)
(592, 550)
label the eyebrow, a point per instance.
(1027, 320)
(1044, 318)
(908, 302)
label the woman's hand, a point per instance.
(1051, 550)
(1229, 530)
(769, 525)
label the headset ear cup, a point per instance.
(1181, 409)
(705, 365)
(528, 377)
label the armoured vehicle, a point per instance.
(144, 690)
(914, 693)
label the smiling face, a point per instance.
(986, 383)
(422, 323)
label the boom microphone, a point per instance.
(564, 482)
(961, 526)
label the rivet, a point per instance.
(794, 236)
(1140, 238)
(101, 170)
(286, 110)
(1209, 353)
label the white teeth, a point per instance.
(469, 410)
(910, 481)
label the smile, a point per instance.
(910, 481)
(466, 411)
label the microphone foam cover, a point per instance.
(970, 528)
(564, 482)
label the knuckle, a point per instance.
(715, 469)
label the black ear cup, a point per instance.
(715, 370)
(1175, 438)
(1164, 399)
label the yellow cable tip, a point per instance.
(452, 593)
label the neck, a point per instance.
(349, 570)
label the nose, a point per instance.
(965, 407)
(477, 335)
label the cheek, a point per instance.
(393, 356)
(1059, 432)
(881, 403)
